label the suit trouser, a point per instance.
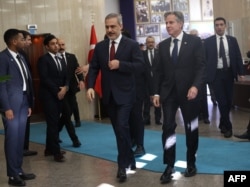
(136, 123)
(146, 110)
(75, 108)
(223, 89)
(119, 116)
(14, 138)
(52, 110)
(170, 107)
(204, 105)
(27, 135)
(65, 118)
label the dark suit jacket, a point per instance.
(150, 68)
(211, 54)
(120, 82)
(187, 72)
(72, 64)
(11, 91)
(50, 78)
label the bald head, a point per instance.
(194, 32)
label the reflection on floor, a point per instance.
(82, 170)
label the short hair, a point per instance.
(48, 38)
(115, 15)
(179, 15)
(150, 37)
(25, 33)
(220, 19)
(9, 35)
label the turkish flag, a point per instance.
(93, 41)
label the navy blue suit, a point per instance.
(13, 97)
(119, 89)
(51, 79)
(221, 80)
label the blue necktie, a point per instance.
(175, 51)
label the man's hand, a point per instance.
(81, 85)
(192, 93)
(114, 64)
(91, 94)
(29, 112)
(9, 114)
(62, 92)
(156, 100)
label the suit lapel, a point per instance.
(121, 47)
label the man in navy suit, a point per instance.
(178, 79)
(224, 64)
(118, 58)
(53, 86)
(16, 101)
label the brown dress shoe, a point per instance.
(59, 158)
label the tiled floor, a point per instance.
(85, 171)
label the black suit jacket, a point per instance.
(211, 53)
(121, 82)
(187, 72)
(50, 78)
(72, 64)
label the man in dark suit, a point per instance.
(118, 57)
(69, 101)
(53, 87)
(16, 101)
(151, 62)
(28, 42)
(224, 64)
(178, 79)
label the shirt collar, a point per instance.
(218, 36)
(179, 37)
(117, 40)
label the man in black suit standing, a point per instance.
(151, 62)
(178, 79)
(224, 64)
(28, 42)
(69, 101)
(119, 58)
(53, 87)
(16, 102)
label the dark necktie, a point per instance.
(63, 59)
(58, 63)
(25, 73)
(222, 53)
(112, 51)
(151, 56)
(175, 51)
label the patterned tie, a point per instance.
(112, 51)
(222, 53)
(58, 64)
(25, 73)
(175, 51)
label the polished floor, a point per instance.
(86, 171)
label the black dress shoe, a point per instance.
(166, 177)
(206, 121)
(228, 134)
(76, 143)
(16, 181)
(121, 174)
(245, 136)
(158, 123)
(48, 153)
(77, 124)
(27, 176)
(29, 153)
(59, 158)
(139, 151)
(190, 171)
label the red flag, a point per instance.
(93, 41)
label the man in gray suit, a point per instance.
(16, 101)
(178, 78)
